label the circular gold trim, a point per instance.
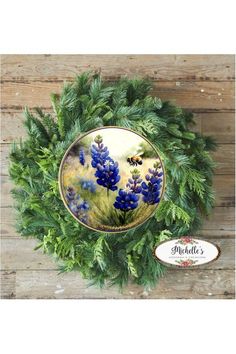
(179, 266)
(65, 156)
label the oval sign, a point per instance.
(186, 252)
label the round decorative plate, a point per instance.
(111, 179)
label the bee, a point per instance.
(135, 160)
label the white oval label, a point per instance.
(186, 252)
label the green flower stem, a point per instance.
(124, 216)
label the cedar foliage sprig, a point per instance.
(85, 104)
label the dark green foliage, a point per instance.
(85, 104)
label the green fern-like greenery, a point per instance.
(85, 104)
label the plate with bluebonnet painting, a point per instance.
(111, 179)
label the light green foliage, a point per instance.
(169, 212)
(85, 104)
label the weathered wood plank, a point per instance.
(199, 83)
(7, 229)
(6, 187)
(197, 96)
(219, 125)
(216, 233)
(12, 127)
(13, 130)
(4, 153)
(179, 283)
(157, 67)
(222, 218)
(223, 156)
(8, 221)
(223, 186)
(7, 284)
(221, 223)
(19, 254)
(200, 96)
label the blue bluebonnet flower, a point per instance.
(134, 183)
(88, 184)
(99, 152)
(126, 200)
(107, 169)
(77, 205)
(82, 156)
(108, 175)
(152, 188)
(70, 194)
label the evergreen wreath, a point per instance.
(83, 105)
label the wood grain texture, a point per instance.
(219, 125)
(19, 254)
(203, 84)
(216, 233)
(224, 156)
(221, 219)
(223, 186)
(197, 96)
(12, 127)
(7, 284)
(176, 284)
(7, 229)
(157, 67)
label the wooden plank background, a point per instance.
(203, 84)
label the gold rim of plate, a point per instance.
(80, 137)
